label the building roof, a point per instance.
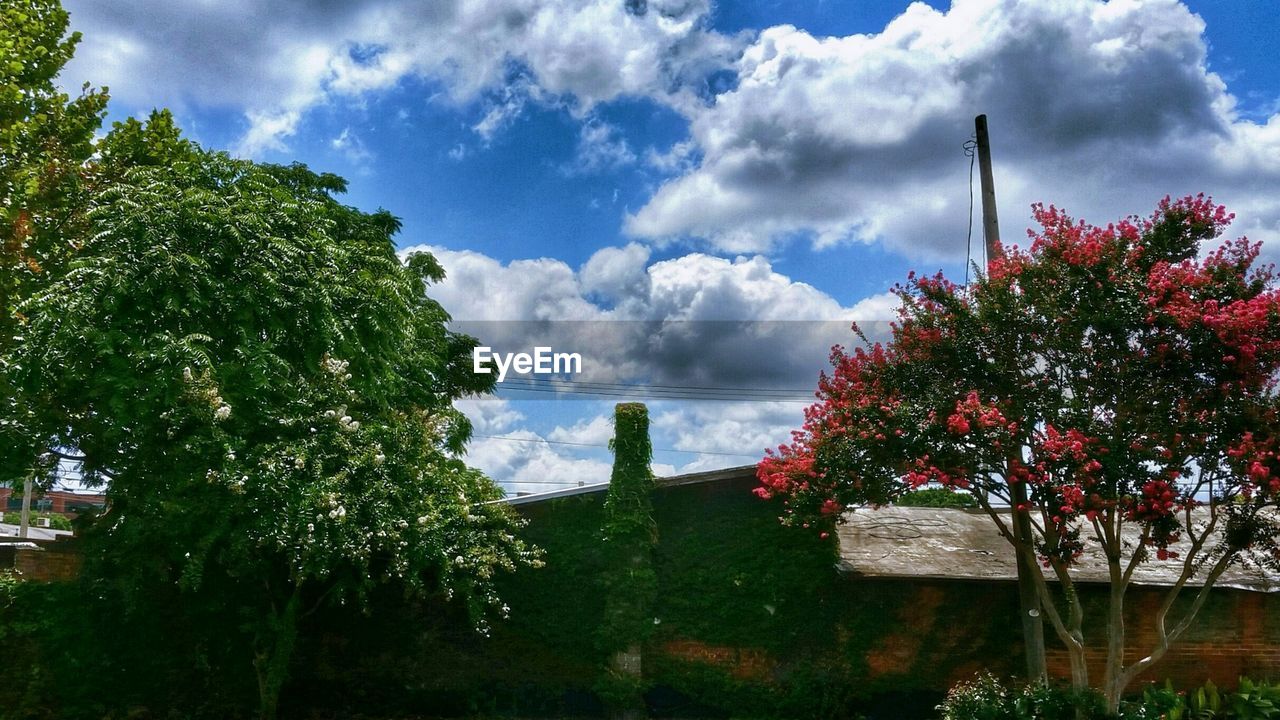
(955, 544)
(734, 473)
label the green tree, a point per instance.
(46, 141)
(1125, 380)
(266, 390)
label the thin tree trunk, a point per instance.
(275, 652)
(1114, 687)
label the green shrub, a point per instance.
(936, 498)
(57, 522)
(987, 698)
(1251, 701)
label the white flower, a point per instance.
(231, 455)
(422, 520)
(311, 527)
(329, 413)
(222, 413)
(186, 374)
(299, 463)
(379, 459)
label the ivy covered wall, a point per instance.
(751, 619)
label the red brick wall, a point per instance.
(944, 632)
(56, 561)
(1234, 635)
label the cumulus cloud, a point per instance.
(524, 462)
(601, 148)
(739, 344)
(691, 436)
(1099, 107)
(275, 60)
(696, 320)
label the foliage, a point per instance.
(1254, 700)
(987, 698)
(936, 498)
(268, 391)
(1250, 701)
(1125, 382)
(46, 140)
(629, 534)
(57, 522)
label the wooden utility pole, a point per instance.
(1028, 598)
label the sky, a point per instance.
(699, 194)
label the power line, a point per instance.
(664, 387)
(599, 445)
(655, 391)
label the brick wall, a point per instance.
(1234, 635)
(58, 502)
(52, 562)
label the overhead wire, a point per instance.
(663, 392)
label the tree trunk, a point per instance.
(273, 655)
(1115, 681)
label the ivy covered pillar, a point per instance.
(629, 535)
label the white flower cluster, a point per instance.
(344, 420)
(336, 367)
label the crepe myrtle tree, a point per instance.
(267, 393)
(1125, 379)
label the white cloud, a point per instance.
(601, 148)
(596, 431)
(275, 60)
(691, 321)
(1102, 108)
(489, 415)
(351, 147)
(522, 461)
(729, 428)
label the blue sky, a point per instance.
(685, 160)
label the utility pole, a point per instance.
(1028, 598)
(24, 521)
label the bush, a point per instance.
(1251, 701)
(936, 498)
(57, 522)
(986, 698)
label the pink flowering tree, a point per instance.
(1127, 380)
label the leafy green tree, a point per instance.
(266, 390)
(46, 141)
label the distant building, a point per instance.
(57, 502)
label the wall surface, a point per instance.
(752, 619)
